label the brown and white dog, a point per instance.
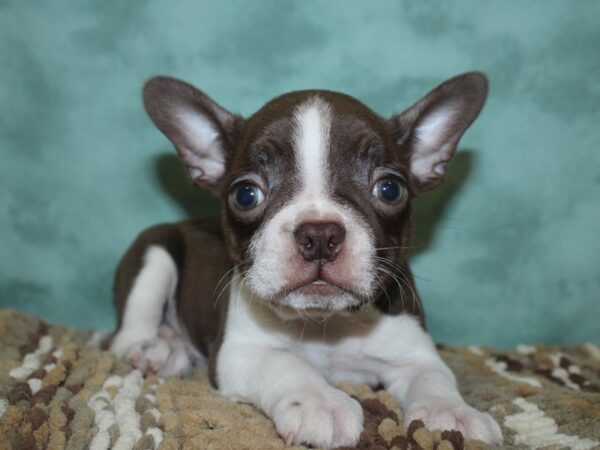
(306, 282)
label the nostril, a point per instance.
(337, 234)
(303, 238)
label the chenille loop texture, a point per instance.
(58, 389)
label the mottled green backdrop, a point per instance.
(509, 247)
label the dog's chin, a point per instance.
(316, 301)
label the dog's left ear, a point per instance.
(432, 127)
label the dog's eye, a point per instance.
(388, 190)
(247, 196)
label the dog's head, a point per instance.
(317, 187)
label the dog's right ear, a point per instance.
(202, 131)
(432, 127)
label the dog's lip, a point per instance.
(318, 286)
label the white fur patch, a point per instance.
(143, 314)
(311, 142)
(150, 334)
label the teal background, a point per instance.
(508, 248)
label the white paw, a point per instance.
(444, 414)
(322, 418)
(164, 355)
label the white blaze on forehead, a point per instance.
(311, 141)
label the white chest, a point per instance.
(347, 360)
(359, 347)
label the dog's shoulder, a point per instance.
(180, 239)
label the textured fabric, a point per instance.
(510, 240)
(58, 390)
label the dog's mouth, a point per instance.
(318, 287)
(317, 297)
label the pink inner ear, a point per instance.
(428, 182)
(429, 171)
(440, 168)
(200, 148)
(434, 144)
(196, 174)
(434, 129)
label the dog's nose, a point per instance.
(319, 240)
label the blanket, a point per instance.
(60, 390)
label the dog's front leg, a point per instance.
(427, 390)
(304, 407)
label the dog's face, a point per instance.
(316, 186)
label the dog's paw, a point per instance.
(321, 418)
(164, 355)
(444, 414)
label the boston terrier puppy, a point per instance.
(305, 282)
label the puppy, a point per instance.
(305, 283)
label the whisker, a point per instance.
(415, 296)
(380, 282)
(393, 277)
(403, 279)
(397, 266)
(302, 333)
(233, 278)
(389, 262)
(235, 266)
(420, 277)
(406, 247)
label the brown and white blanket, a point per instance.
(59, 390)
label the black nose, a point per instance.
(319, 240)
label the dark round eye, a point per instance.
(247, 196)
(388, 190)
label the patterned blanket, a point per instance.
(59, 390)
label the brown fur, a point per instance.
(199, 251)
